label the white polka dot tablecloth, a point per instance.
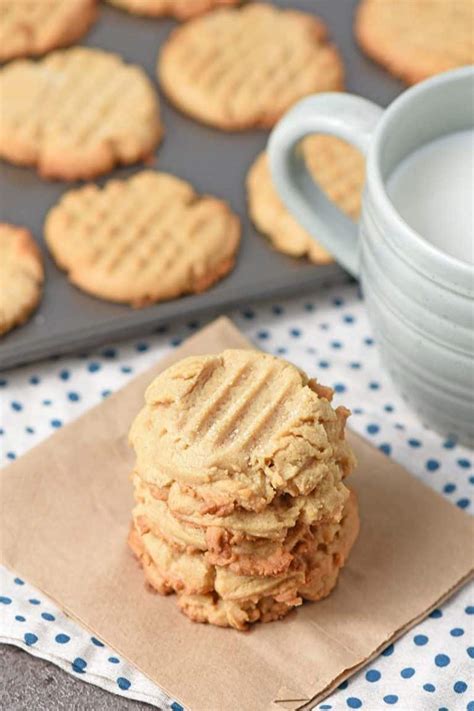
(327, 334)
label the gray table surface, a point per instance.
(32, 684)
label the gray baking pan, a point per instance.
(214, 162)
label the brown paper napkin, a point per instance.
(65, 510)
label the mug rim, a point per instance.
(457, 269)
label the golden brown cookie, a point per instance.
(240, 68)
(141, 240)
(180, 9)
(415, 39)
(239, 428)
(21, 276)
(77, 113)
(32, 27)
(220, 596)
(336, 166)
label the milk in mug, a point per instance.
(433, 191)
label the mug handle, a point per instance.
(346, 116)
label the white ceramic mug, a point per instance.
(419, 299)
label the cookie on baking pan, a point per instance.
(415, 39)
(32, 27)
(336, 166)
(21, 276)
(77, 113)
(141, 240)
(180, 9)
(241, 68)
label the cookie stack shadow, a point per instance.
(241, 504)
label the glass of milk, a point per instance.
(413, 249)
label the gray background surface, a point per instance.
(215, 163)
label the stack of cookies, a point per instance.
(241, 506)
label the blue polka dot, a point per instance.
(471, 479)
(105, 393)
(3, 382)
(29, 430)
(48, 616)
(62, 638)
(79, 665)
(114, 660)
(19, 581)
(34, 601)
(278, 310)
(323, 364)
(93, 367)
(336, 345)
(30, 638)
(324, 326)
(109, 353)
(162, 329)
(142, 347)
(64, 374)
(123, 683)
(248, 314)
(11, 455)
(47, 403)
(56, 423)
(323, 707)
(388, 408)
(436, 614)
(449, 488)
(389, 651)
(97, 642)
(374, 385)
(20, 618)
(355, 365)
(463, 503)
(295, 332)
(263, 335)
(390, 699)
(386, 448)
(470, 652)
(469, 707)
(281, 350)
(414, 442)
(16, 406)
(177, 707)
(5, 600)
(460, 687)
(469, 610)
(358, 411)
(353, 702)
(449, 444)
(369, 341)
(127, 369)
(348, 319)
(73, 397)
(457, 632)
(429, 687)
(442, 660)
(373, 675)
(432, 465)
(373, 429)
(338, 301)
(464, 463)
(407, 673)
(339, 388)
(308, 307)
(34, 380)
(420, 640)
(343, 685)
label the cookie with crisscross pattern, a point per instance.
(238, 68)
(21, 276)
(180, 9)
(339, 170)
(77, 113)
(144, 239)
(31, 27)
(415, 39)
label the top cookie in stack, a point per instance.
(241, 505)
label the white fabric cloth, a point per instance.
(327, 334)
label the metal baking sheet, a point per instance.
(214, 162)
